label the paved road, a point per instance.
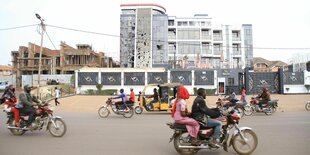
(284, 133)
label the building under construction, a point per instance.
(64, 61)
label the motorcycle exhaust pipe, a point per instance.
(195, 147)
(13, 127)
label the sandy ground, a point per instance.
(80, 103)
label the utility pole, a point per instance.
(41, 49)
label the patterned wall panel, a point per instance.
(134, 78)
(258, 80)
(111, 78)
(157, 77)
(143, 41)
(293, 78)
(204, 77)
(87, 78)
(184, 77)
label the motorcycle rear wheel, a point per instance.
(243, 148)
(103, 112)
(60, 131)
(248, 110)
(269, 111)
(308, 106)
(181, 140)
(129, 114)
(16, 132)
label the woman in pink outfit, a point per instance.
(180, 114)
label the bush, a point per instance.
(210, 92)
(90, 92)
(99, 88)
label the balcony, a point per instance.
(236, 39)
(217, 38)
(217, 52)
(206, 37)
(236, 52)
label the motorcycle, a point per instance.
(238, 106)
(308, 106)
(268, 108)
(243, 140)
(104, 112)
(43, 116)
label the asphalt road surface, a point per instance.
(284, 133)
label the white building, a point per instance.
(196, 42)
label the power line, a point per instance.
(50, 40)
(179, 42)
(18, 27)
(72, 29)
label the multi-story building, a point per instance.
(181, 42)
(205, 45)
(64, 61)
(143, 36)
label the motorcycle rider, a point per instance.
(10, 102)
(232, 98)
(26, 105)
(124, 99)
(155, 98)
(205, 115)
(180, 115)
(264, 97)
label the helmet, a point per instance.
(27, 88)
(11, 87)
(121, 90)
(265, 89)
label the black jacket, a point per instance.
(27, 100)
(200, 109)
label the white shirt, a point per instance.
(57, 93)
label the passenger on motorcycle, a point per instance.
(124, 99)
(232, 98)
(26, 105)
(180, 115)
(205, 115)
(131, 97)
(10, 102)
(264, 97)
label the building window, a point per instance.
(231, 81)
(170, 22)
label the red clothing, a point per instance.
(132, 96)
(14, 110)
(182, 94)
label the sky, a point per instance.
(281, 28)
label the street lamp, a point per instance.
(41, 49)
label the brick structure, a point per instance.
(25, 61)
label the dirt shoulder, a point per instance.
(82, 103)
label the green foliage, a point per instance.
(99, 88)
(101, 92)
(90, 92)
(210, 92)
(195, 90)
(72, 80)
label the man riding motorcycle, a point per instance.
(26, 104)
(264, 97)
(205, 115)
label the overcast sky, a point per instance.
(276, 23)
